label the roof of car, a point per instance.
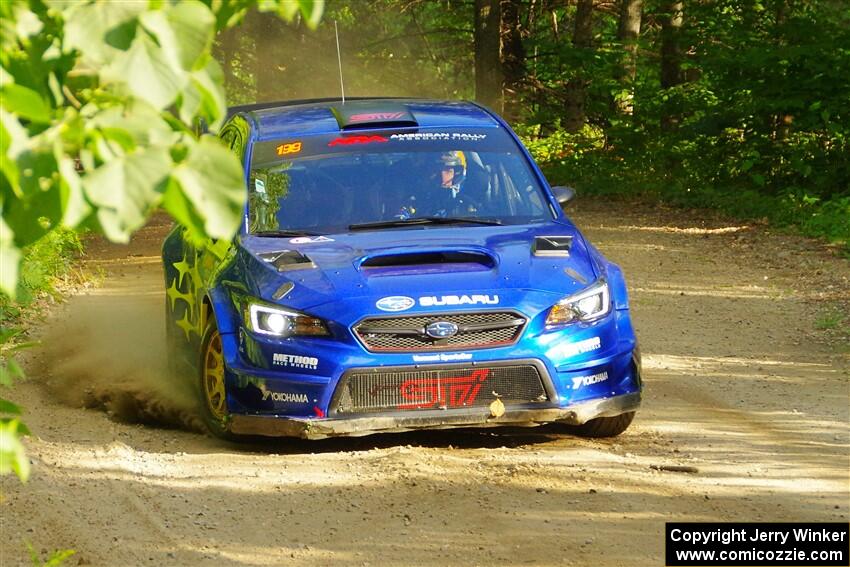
(274, 120)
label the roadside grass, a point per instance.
(830, 320)
(832, 324)
(47, 272)
(833, 319)
(588, 162)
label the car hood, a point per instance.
(420, 262)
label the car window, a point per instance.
(323, 184)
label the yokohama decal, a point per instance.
(353, 140)
(458, 391)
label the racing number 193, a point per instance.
(292, 148)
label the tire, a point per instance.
(604, 426)
(211, 384)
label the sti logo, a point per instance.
(375, 116)
(455, 392)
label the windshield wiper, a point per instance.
(280, 233)
(422, 221)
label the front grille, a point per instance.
(407, 333)
(380, 390)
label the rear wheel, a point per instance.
(604, 426)
(212, 389)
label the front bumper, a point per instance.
(311, 428)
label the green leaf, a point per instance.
(40, 207)
(204, 97)
(6, 378)
(10, 260)
(141, 120)
(184, 32)
(13, 457)
(181, 209)
(24, 102)
(311, 10)
(8, 334)
(212, 179)
(5, 77)
(74, 206)
(13, 369)
(8, 407)
(126, 189)
(13, 139)
(147, 72)
(101, 31)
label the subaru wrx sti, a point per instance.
(402, 264)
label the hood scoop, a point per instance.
(441, 261)
(552, 246)
(284, 260)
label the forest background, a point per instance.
(737, 105)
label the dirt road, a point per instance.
(739, 384)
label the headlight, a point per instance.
(587, 305)
(274, 321)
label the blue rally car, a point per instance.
(402, 264)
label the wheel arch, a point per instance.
(218, 305)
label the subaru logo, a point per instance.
(441, 330)
(395, 303)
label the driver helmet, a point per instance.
(457, 162)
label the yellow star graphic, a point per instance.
(194, 276)
(186, 325)
(174, 294)
(182, 268)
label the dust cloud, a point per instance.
(106, 350)
(294, 63)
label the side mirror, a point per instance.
(563, 194)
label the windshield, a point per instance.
(329, 183)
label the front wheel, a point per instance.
(604, 426)
(211, 383)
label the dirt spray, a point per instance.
(106, 350)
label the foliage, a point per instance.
(118, 86)
(762, 124)
(56, 558)
(12, 455)
(98, 103)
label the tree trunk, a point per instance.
(627, 32)
(488, 65)
(513, 58)
(574, 114)
(671, 56)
